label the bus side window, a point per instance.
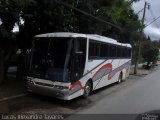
(112, 51)
(94, 49)
(104, 50)
(126, 52)
(119, 51)
(129, 52)
(123, 52)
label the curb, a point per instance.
(13, 97)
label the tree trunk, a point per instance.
(1, 66)
(20, 67)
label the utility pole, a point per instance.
(139, 41)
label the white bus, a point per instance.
(67, 65)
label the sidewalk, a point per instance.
(141, 71)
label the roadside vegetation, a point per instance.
(115, 19)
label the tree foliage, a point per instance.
(118, 12)
(150, 51)
(42, 16)
(10, 14)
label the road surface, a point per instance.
(140, 98)
(134, 96)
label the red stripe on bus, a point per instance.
(78, 83)
(109, 65)
(110, 74)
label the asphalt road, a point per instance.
(138, 94)
(141, 97)
(136, 101)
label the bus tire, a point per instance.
(119, 78)
(87, 89)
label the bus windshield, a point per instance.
(51, 58)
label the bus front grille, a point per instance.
(44, 84)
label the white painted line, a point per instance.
(13, 97)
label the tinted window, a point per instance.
(112, 51)
(101, 50)
(104, 50)
(119, 51)
(129, 52)
(94, 49)
(123, 52)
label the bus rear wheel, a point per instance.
(87, 89)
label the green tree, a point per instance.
(118, 12)
(42, 16)
(10, 12)
(46, 16)
(150, 51)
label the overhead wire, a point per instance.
(140, 11)
(87, 14)
(152, 14)
(152, 21)
(155, 21)
(101, 20)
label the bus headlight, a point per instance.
(61, 87)
(29, 80)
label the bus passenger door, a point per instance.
(78, 58)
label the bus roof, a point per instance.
(76, 35)
(62, 34)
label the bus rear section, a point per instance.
(108, 62)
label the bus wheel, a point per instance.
(120, 78)
(87, 89)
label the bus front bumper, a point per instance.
(48, 91)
